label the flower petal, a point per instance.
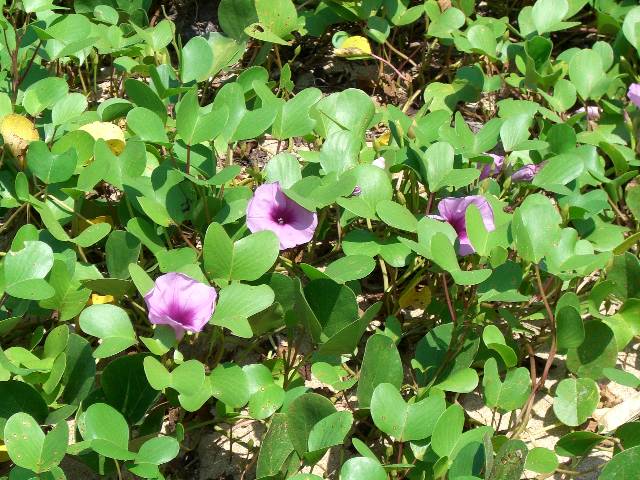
(453, 211)
(634, 94)
(297, 225)
(181, 302)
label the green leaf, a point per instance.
(247, 259)
(141, 279)
(598, 351)
(24, 271)
(396, 216)
(126, 388)
(350, 109)
(586, 71)
(510, 394)
(577, 444)
(92, 234)
(621, 377)
(237, 302)
(358, 468)
(509, 462)
(196, 61)
(622, 466)
(494, 339)
(461, 381)
(541, 460)
(112, 325)
(447, 430)
(404, 421)
(293, 118)
(330, 431)
(559, 171)
(275, 449)
(143, 96)
(79, 376)
(158, 450)
(68, 108)
(121, 249)
(570, 329)
(381, 364)
(339, 152)
(147, 125)
(547, 14)
(483, 39)
(437, 164)
(193, 125)
(351, 267)
(515, 131)
(536, 227)
(277, 16)
(631, 27)
(20, 397)
(44, 94)
(575, 400)
(107, 430)
(230, 384)
(302, 415)
(235, 15)
(28, 447)
(283, 168)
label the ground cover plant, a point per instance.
(396, 239)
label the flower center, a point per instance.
(280, 216)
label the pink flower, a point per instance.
(181, 302)
(271, 209)
(491, 169)
(452, 210)
(526, 173)
(634, 94)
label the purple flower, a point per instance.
(452, 210)
(356, 191)
(593, 112)
(271, 209)
(492, 169)
(181, 302)
(526, 173)
(634, 94)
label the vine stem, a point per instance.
(452, 311)
(526, 412)
(188, 159)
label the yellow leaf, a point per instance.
(415, 298)
(83, 224)
(18, 132)
(383, 140)
(110, 133)
(100, 299)
(4, 456)
(355, 46)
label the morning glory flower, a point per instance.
(634, 94)
(271, 209)
(452, 210)
(180, 302)
(492, 169)
(526, 173)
